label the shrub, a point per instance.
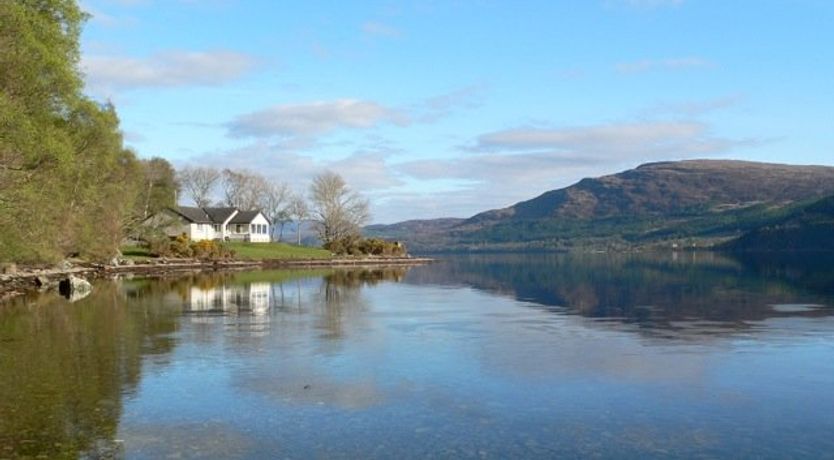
(182, 246)
(366, 247)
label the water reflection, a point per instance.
(504, 356)
(675, 295)
(65, 368)
(252, 298)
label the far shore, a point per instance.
(31, 279)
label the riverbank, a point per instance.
(28, 279)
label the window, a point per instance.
(216, 227)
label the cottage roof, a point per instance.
(195, 215)
(215, 215)
(219, 215)
(244, 217)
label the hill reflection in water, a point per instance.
(661, 294)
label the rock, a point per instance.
(8, 269)
(65, 265)
(74, 288)
(116, 261)
(43, 282)
(128, 262)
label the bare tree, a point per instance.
(298, 210)
(198, 183)
(339, 212)
(243, 189)
(282, 219)
(271, 201)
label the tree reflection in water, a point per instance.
(64, 368)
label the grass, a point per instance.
(136, 253)
(276, 251)
(246, 251)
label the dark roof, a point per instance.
(195, 215)
(245, 217)
(219, 215)
(215, 215)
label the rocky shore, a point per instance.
(68, 276)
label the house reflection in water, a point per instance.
(233, 298)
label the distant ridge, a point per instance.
(672, 187)
(807, 228)
(692, 202)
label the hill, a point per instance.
(689, 203)
(808, 228)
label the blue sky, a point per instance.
(448, 108)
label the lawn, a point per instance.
(272, 251)
(136, 253)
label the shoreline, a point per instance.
(31, 279)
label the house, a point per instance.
(222, 224)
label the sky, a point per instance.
(449, 108)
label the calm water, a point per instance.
(489, 357)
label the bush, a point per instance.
(366, 247)
(183, 247)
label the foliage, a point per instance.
(366, 247)
(806, 228)
(67, 184)
(182, 247)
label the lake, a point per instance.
(487, 356)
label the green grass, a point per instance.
(274, 251)
(137, 253)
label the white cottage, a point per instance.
(223, 224)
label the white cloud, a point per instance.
(614, 140)
(648, 65)
(169, 69)
(506, 167)
(367, 170)
(307, 120)
(519, 164)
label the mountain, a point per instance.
(690, 203)
(418, 235)
(808, 228)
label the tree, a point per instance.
(282, 219)
(159, 187)
(67, 184)
(339, 212)
(272, 199)
(244, 189)
(298, 210)
(199, 183)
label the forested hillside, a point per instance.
(68, 186)
(686, 203)
(808, 228)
